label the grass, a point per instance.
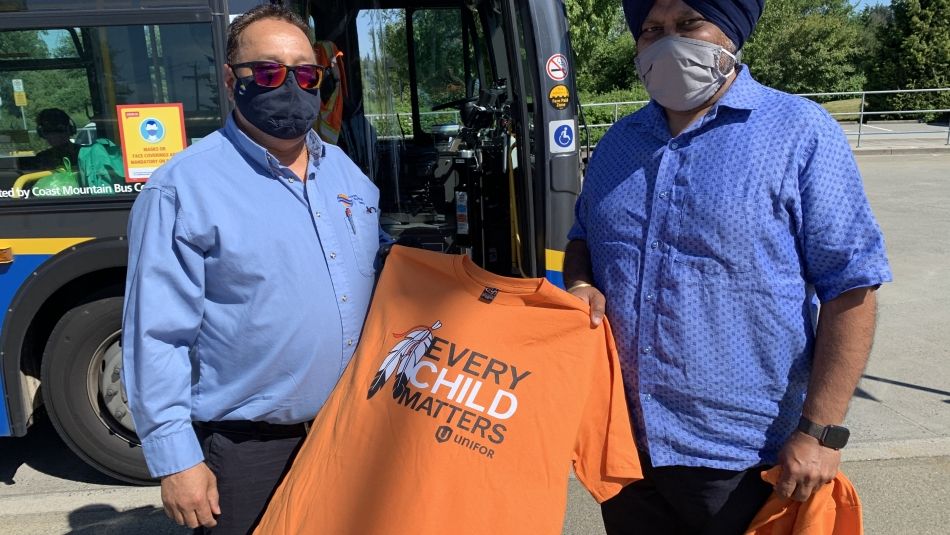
(851, 105)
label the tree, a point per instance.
(915, 54)
(603, 47)
(872, 21)
(804, 46)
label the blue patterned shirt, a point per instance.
(711, 248)
(247, 289)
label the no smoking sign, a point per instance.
(556, 67)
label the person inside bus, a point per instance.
(57, 129)
(248, 283)
(709, 222)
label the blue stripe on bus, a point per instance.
(556, 278)
(12, 277)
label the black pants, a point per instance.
(683, 500)
(249, 462)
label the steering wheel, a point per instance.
(454, 103)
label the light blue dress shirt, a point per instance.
(711, 247)
(246, 291)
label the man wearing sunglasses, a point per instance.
(249, 279)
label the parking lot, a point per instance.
(899, 458)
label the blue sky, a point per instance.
(869, 2)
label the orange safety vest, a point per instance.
(331, 111)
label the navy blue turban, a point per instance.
(736, 18)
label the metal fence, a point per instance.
(620, 109)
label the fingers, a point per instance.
(213, 500)
(786, 485)
(191, 519)
(204, 517)
(597, 306)
(191, 498)
(593, 297)
(799, 484)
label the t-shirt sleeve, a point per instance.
(605, 455)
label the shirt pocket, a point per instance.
(362, 223)
(715, 234)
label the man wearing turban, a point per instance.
(711, 224)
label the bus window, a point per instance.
(440, 66)
(384, 66)
(55, 5)
(59, 135)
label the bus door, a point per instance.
(440, 111)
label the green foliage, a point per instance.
(603, 49)
(806, 46)
(915, 54)
(63, 89)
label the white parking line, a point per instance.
(877, 127)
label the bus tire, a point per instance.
(80, 382)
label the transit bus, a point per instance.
(463, 112)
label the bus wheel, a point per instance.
(83, 393)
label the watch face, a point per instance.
(835, 437)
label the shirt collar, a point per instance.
(744, 93)
(262, 156)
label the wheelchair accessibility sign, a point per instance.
(562, 135)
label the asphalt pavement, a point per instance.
(899, 457)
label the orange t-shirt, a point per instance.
(834, 509)
(467, 398)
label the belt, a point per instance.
(257, 429)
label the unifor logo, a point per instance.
(443, 433)
(403, 359)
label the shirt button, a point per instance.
(647, 350)
(290, 179)
(349, 342)
(674, 145)
(344, 299)
(655, 244)
(647, 397)
(332, 256)
(663, 195)
(651, 297)
(316, 214)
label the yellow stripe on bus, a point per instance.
(553, 260)
(39, 245)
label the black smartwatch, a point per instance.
(829, 436)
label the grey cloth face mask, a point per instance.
(683, 74)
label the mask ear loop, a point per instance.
(735, 61)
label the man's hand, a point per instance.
(806, 465)
(577, 277)
(595, 299)
(190, 497)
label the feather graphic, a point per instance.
(403, 359)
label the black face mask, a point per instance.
(285, 112)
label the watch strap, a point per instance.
(810, 428)
(829, 436)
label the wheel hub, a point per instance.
(111, 390)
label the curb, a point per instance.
(896, 449)
(868, 151)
